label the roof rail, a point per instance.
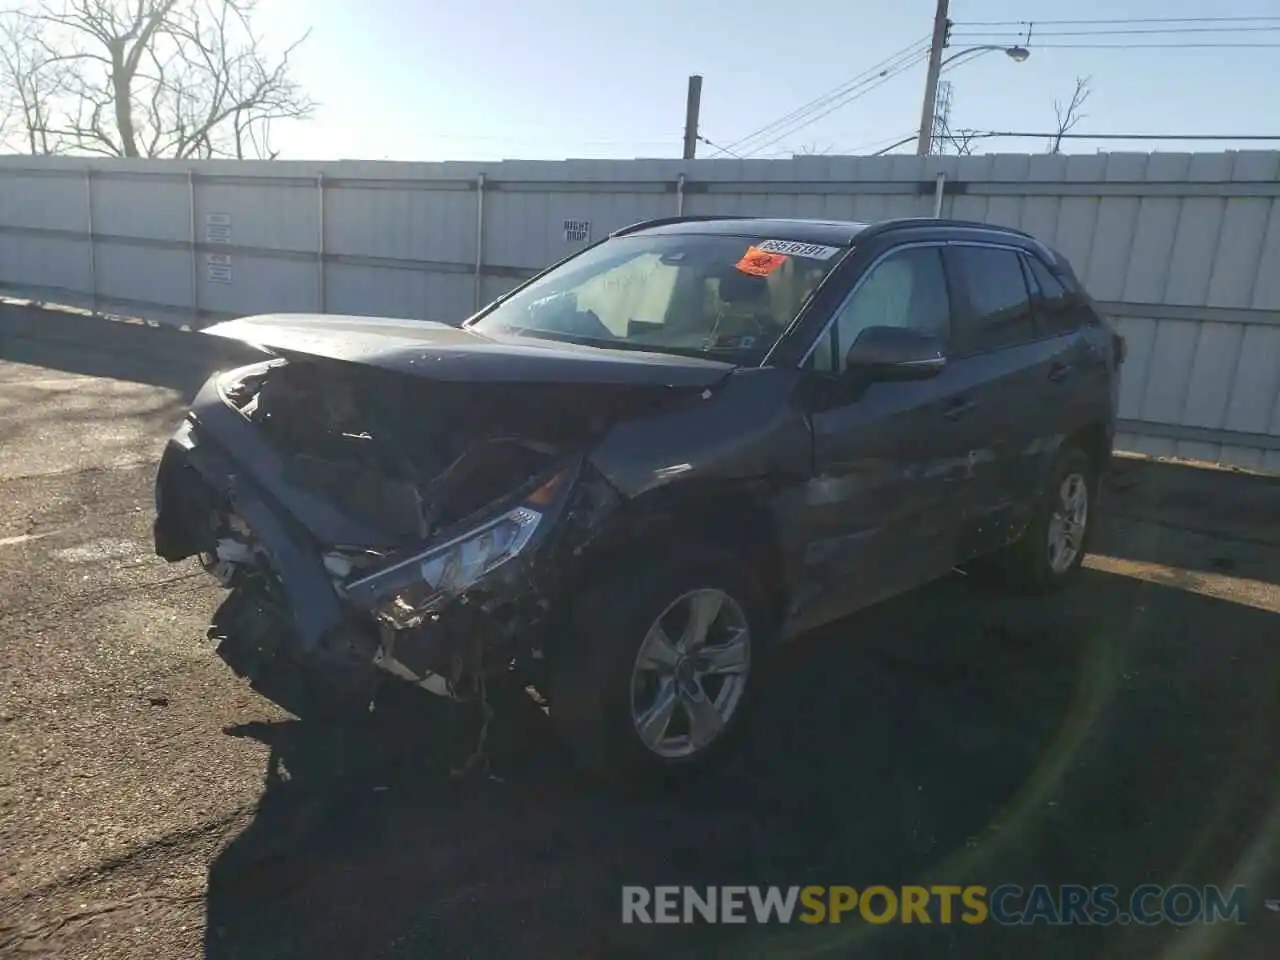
(998, 227)
(663, 221)
(1050, 254)
(895, 222)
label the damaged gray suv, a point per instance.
(628, 480)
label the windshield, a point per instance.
(672, 293)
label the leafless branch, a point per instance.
(1070, 115)
(961, 141)
(148, 78)
(811, 149)
(29, 81)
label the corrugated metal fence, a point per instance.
(1183, 250)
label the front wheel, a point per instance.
(654, 681)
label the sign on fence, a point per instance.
(218, 266)
(577, 231)
(217, 229)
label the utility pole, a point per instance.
(692, 104)
(940, 25)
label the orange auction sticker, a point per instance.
(760, 263)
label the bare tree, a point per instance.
(29, 81)
(961, 142)
(812, 149)
(1068, 116)
(158, 78)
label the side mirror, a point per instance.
(894, 353)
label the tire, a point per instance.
(599, 683)
(1031, 564)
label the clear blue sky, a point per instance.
(548, 79)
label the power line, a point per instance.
(1154, 46)
(1054, 135)
(1121, 20)
(1148, 31)
(893, 146)
(883, 78)
(988, 134)
(836, 93)
(842, 103)
(823, 99)
(716, 146)
(1229, 33)
(896, 140)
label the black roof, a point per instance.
(839, 233)
(835, 233)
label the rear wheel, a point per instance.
(1054, 543)
(655, 679)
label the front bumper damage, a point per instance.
(310, 586)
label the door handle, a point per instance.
(957, 408)
(1059, 371)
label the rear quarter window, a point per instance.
(1055, 307)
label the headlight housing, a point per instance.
(406, 593)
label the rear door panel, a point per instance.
(996, 340)
(1075, 389)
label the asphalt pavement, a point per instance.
(151, 805)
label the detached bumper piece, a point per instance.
(282, 626)
(253, 635)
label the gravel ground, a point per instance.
(152, 806)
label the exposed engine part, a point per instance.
(431, 682)
(234, 551)
(220, 570)
(345, 435)
(338, 565)
(481, 474)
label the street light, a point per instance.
(1016, 54)
(924, 143)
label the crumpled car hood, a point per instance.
(438, 351)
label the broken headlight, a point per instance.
(404, 594)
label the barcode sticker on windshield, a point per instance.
(794, 248)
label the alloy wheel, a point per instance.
(1068, 522)
(690, 673)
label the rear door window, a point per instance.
(999, 312)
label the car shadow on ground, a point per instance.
(136, 369)
(1118, 733)
(118, 350)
